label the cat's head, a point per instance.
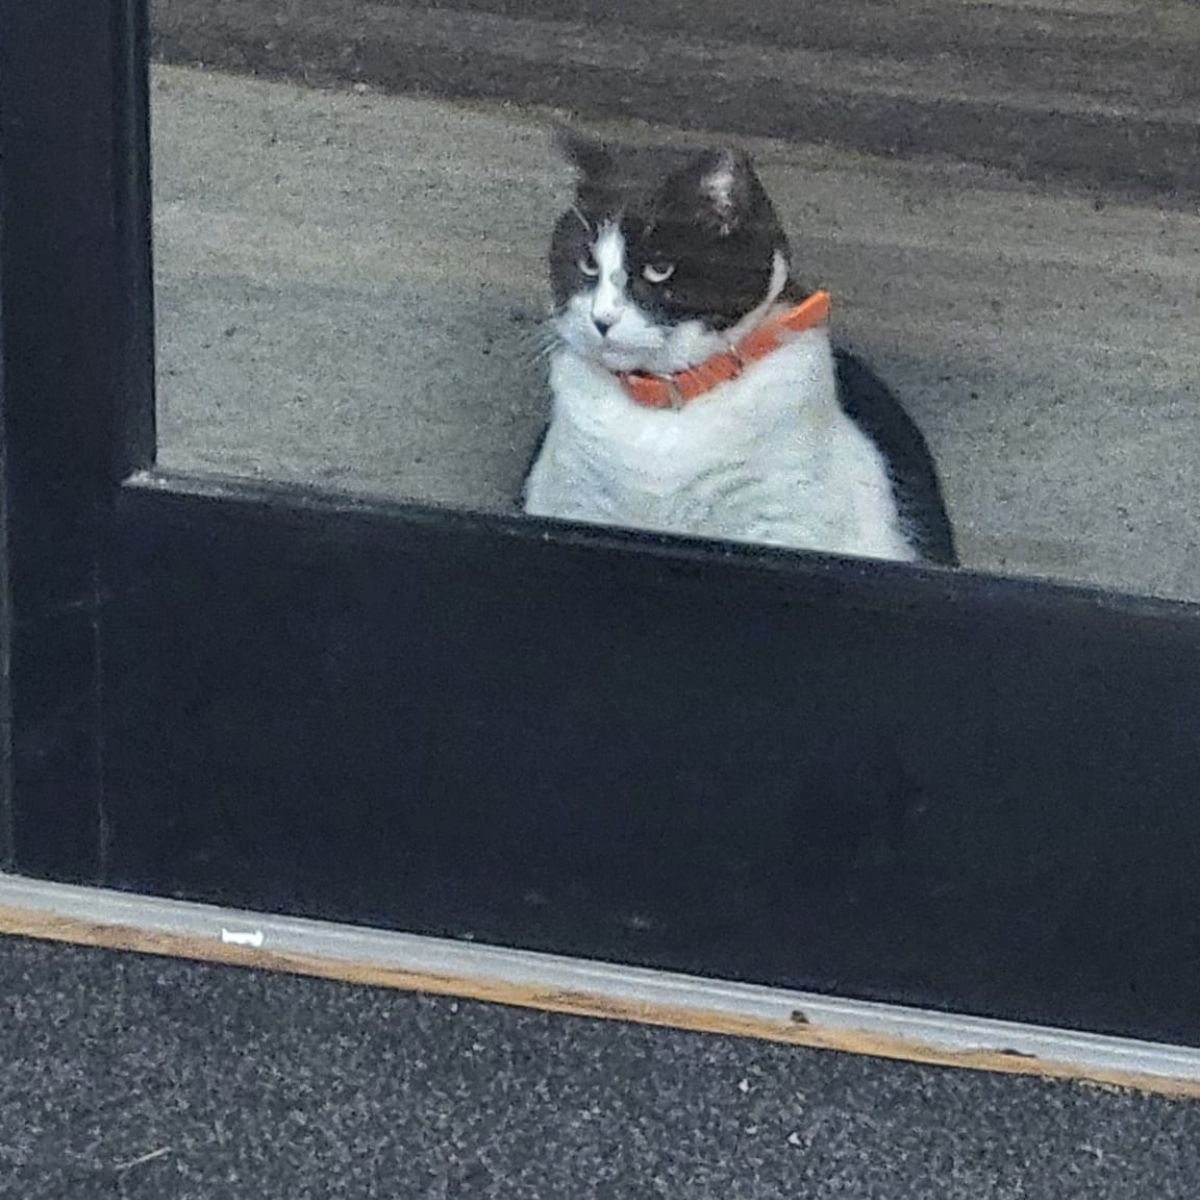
(659, 259)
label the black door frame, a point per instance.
(940, 788)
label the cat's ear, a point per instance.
(725, 180)
(590, 157)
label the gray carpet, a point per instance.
(258, 1085)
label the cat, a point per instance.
(658, 272)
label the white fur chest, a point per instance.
(768, 457)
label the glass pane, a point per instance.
(355, 208)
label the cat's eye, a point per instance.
(588, 265)
(658, 272)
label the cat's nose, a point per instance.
(602, 325)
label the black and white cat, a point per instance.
(695, 389)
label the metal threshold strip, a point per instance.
(381, 958)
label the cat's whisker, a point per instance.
(538, 330)
(538, 343)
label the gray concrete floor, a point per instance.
(347, 285)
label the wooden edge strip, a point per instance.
(380, 958)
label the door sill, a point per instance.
(383, 958)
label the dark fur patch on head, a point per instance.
(704, 216)
(589, 156)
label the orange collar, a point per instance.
(674, 391)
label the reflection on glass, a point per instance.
(420, 297)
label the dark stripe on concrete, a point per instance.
(1099, 94)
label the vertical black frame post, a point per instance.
(76, 405)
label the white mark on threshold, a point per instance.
(237, 937)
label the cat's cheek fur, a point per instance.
(633, 341)
(636, 342)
